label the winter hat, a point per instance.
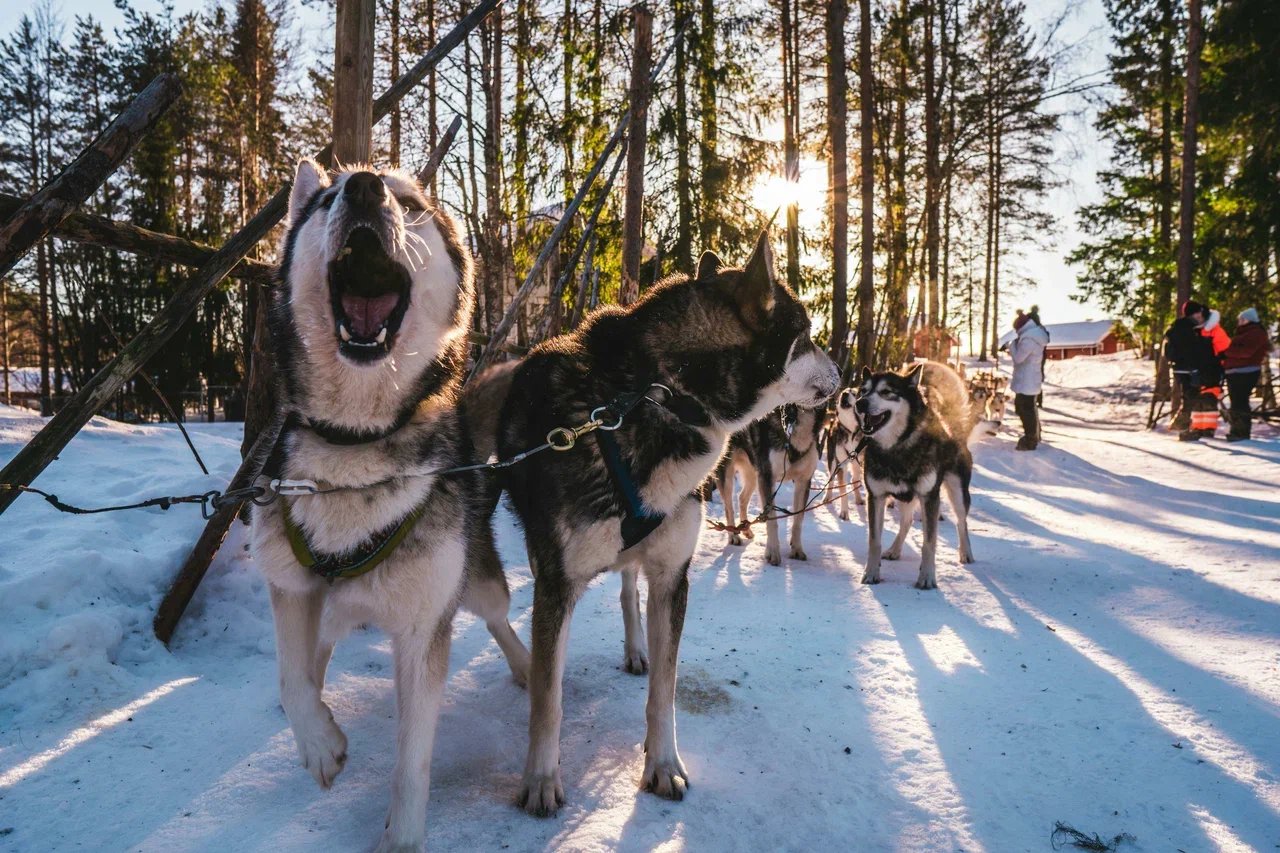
(1020, 320)
(1034, 314)
(1192, 307)
(1248, 315)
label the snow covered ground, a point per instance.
(1111, 661)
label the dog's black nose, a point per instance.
(845, 397)
(364, 189)
(861, 406)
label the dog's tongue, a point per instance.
(366, 315)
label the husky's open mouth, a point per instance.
(871, 423)
(369, 291)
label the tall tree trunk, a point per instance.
(866, 281)
(931, 202)
(997, 223)
(791, 131)
(433, 138)
(491, 79)
(711, 172)
(395, 75)
(683, 251)
(901, 312)
(520, 118)
(1191, 118)
(837, 134)
(637, 139)
(991, 227)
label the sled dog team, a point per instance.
(370, 327)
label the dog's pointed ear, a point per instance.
(307, 181)
(914, 374)
(866, 373)
(755, 293)
(708, 265)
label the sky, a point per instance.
(1080, 153)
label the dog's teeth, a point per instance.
(342, 330)
(382, 336)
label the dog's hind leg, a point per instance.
(931, 504)
(489, 598)
(798, 499)
(422, 662)
(726, 484)
(321, 744)
(666, 565)
(635, 660)
(838, 480)
(744, 504)
(554, 596)
(906, 516)
(955, 494)
(875, 529)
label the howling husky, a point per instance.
(711, 354)
(369, 327)
(912, 451)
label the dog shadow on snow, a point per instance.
(1053, 696)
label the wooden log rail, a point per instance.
(59, 198)
(41, 450)
(111, 234)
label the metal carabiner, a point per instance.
(562, 438)
(294, 488)
(599, 424)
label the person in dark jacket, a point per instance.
(1193, 354)
(1242, 363)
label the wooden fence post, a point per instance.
(62, 195)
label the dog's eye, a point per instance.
(411, 203)
(326, 200)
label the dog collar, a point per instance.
(357, 562)
(346, 437)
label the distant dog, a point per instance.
(911, 454)
(779, 448)
(843, 467)
(711, 353)
(987, 393)
(369, 325)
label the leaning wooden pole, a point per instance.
(535, 272)
(92, 230)
(353, 82)
(193, 570)
(59, 198)
(41, 450)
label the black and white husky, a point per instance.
(369, 327)
(779, 448)
(843, 467)
(911, 454)
(714, 352)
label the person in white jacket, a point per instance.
(1027, 351)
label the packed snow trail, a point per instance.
(1111, 661)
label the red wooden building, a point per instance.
(1092, 337)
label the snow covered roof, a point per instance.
(1086, 334)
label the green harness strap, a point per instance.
(359, 561)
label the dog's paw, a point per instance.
(668, 779)
(735, 539)
(892, 554)
(774, 555)
(635, 661)
(799, 554)
(967, 557)
(926, 581)
(871, 577)
(844, 516)
(388, 844)
(541, 795)
(322, 747)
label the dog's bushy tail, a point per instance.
(966, 477)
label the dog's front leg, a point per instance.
(956, 493)
(635, 661)
(422, 662)
(838, 479)
(322, 746)
(798, 500)
(726, 485)
(928, 563)
(664, 772)
(875, 529)
(554, 596)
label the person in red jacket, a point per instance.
(1242, 363)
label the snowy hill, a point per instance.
(1111, 661)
